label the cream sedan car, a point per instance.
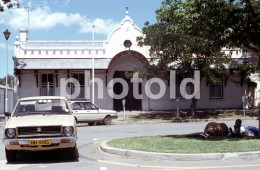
(86, 111)
(40, 124)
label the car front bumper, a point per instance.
(56, 143)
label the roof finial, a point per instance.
(127, 10)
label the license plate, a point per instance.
(39, 142)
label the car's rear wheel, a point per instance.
(92, 123)
(10, 155)
(107, 120)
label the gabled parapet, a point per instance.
(126, 30)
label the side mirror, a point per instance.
(7, 114)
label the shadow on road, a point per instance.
(42, 157)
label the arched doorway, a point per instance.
(131, 102)
(124, 62)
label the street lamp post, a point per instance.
(7, 35)
(93, 65)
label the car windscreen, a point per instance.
(41, 106)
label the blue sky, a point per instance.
(70, 20)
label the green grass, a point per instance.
(200, 114)
(187, 144)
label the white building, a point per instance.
(41, 65)
(10, 94)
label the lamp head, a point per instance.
(7, 34)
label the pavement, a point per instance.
(121, 120)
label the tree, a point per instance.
(10, 80)
(175, 38)
(201, 28)
(8, 4)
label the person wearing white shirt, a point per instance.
(239, 130)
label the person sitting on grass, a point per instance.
(238, 131)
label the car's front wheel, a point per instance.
(71, 153)
(10, 155)
(107, 120)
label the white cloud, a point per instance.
(101, 26)
(43, 18)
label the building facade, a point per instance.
(40, 67)
(10, 93)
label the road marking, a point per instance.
(171, 168)
(103, 168)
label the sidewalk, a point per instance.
(121, 120)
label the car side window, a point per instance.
(82, 107)
(75, 106)
(90, 106)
